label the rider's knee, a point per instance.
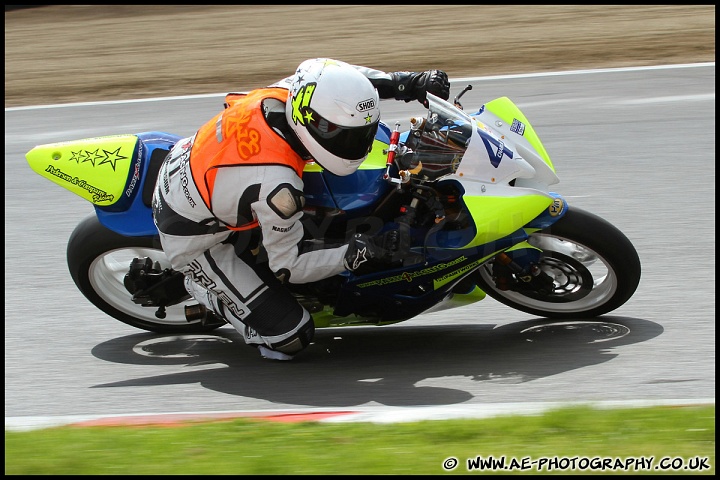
(297, 340)
(281, 322)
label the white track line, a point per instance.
(452, 80)
(378, 414)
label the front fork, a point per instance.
(518, 268)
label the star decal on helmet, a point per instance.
(295, 86)
(368, 119)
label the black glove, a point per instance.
(415, 86)
(366, 254)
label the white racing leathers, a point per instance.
(219, 264)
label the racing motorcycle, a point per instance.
(468, 196)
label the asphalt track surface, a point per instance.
(634, 146)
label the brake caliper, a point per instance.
(509, 275)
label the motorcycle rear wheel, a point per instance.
(594, 266)
(98, 260)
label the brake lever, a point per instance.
(456, 101)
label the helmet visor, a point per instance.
(351, 143)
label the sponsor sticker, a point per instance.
(517, 127)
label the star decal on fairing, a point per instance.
(92, 156)
(82, 156)
(76, 156)
(112, 157)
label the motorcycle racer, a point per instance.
(234, 190)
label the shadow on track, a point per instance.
(388, 365)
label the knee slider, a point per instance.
(281, 321)
(297, 341)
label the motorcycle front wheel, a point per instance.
(99, 258)
(594, 267)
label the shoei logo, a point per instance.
(300, 103)
(366, 105)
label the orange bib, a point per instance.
(238, 136)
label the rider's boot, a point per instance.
(284, 346)
(253, 339)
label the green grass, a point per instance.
(254, 447)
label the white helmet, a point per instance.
(334, 110)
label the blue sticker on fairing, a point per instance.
(495, 148)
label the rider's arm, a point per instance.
(408, 85)
(273, 194)
(400, 85)
(279, 210)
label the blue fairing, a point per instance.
(355, 194)
(383, 133)
(316, 191)
(136, 219)
(359, 192)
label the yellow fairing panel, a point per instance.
(96, 168)
(497, 217)
(507, 111)
(376, 159)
